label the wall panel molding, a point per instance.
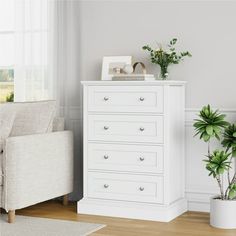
(199, 187)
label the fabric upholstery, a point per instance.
(58, 124)
(32, 117)
(36, 164)
(1, 172)
(1, 200)
(6, 123)
(1, 179)
(37, 168)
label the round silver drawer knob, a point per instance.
(141, 128)
(106, 98)
(106, 157)
(106, 185)
(141, 158)
(141, 99)
(106, 127)
(141, 189)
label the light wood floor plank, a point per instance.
(188, 224)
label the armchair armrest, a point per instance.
(37, 168)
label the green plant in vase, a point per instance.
(220, 165)
(164, 58)
(211, 124)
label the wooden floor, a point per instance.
(188, 224)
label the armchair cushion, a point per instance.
(32, 117)
(58, 124)
(6, 123)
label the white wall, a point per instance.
(205, 28)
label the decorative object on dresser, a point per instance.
(134, 76)
(114, 65)
(220, 164)
(134, 149)
(128, 69)
(164, 58)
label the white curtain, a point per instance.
(34, 64)
(48, 63)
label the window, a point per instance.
(6, 85)
(24, 50)
(6, 50)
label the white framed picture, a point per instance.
(113, 65)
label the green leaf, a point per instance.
(232, 193)
(234, 153)
(220, 170)
(209, 130)
(216, 129)
(206, 137)
(217, 162)
(234, 134)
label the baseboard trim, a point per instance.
(199, 200)
(198, 206)
(132, 210)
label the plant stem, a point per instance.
(164, 72)
(228, 174)
(209, 152)
(221, 187)
(230, 183)
(234, 178)
(222, 184)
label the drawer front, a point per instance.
(125, 187)
(125, 98)
(125, 128)
(130, 158)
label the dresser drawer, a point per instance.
(125, 98)
(126, 128)
(130, 158)
(125, 187)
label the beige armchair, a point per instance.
(35, 168)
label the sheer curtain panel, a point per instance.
(33, 68)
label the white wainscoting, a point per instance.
(199, 187)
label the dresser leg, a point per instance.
(65, 200)
(11, 216)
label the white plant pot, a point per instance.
(223, 213)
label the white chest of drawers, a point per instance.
(134, 149)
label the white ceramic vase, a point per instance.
(223, 213)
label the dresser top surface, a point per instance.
(138, 83)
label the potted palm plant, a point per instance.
(220, 162)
